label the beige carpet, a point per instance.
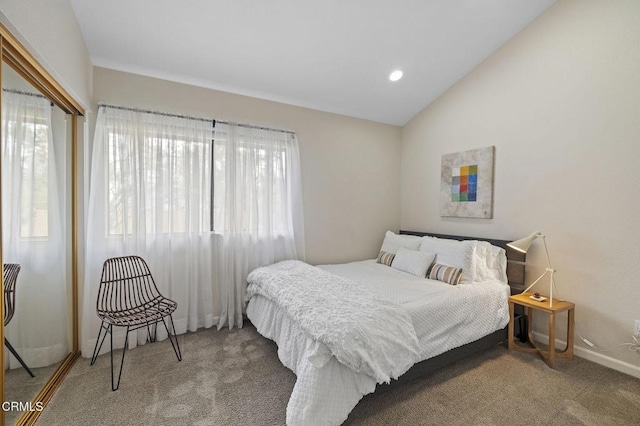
(20, 386)
(235, 378)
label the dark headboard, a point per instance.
(515, 259)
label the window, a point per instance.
(158, 177)
(26, 141)
(254, 173)
(173, 175)
(34, 221)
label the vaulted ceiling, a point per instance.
(330, 55)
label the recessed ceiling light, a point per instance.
(396, 75)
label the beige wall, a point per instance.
(49, 29)
(560, 102)
(350, 167)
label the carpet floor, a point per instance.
(19, 386)
(235, 378)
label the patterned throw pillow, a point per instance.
(385, 258)
(444, 273)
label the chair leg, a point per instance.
(150, 339)
(97, 348)
(176, 346)
(15, 354)
(114, 387)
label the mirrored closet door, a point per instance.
(35, 239)
(38, 204)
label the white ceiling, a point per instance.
(330, 55)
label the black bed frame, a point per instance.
(515, 275)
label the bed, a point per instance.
(416, 328)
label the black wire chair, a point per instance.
(10, 273)
(128, 297)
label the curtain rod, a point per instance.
(165, 114)
(22, 92)
(214, 121)
(251, 126)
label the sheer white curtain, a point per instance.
(257, 208)
(33, 208)
(150, 195)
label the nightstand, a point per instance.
(550, 355)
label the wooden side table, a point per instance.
(550, 355)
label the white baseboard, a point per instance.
(598, 358)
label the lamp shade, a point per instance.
(523, 244)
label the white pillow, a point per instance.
(392, 242)
(491, 263)
(412, 261)
(460, 254)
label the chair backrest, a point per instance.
(126, 283)
(10, 273)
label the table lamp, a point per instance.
(522, 245)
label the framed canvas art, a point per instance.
(466, 188)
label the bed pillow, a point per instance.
(392, 242)
(491, 263)
(385, 258)
(459, 254)
(447, 274)
(413, 262)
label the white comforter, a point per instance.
(443, 316)
(367, 334)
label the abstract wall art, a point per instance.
(466, 188)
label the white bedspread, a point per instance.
(443, 316)
(367, 334)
